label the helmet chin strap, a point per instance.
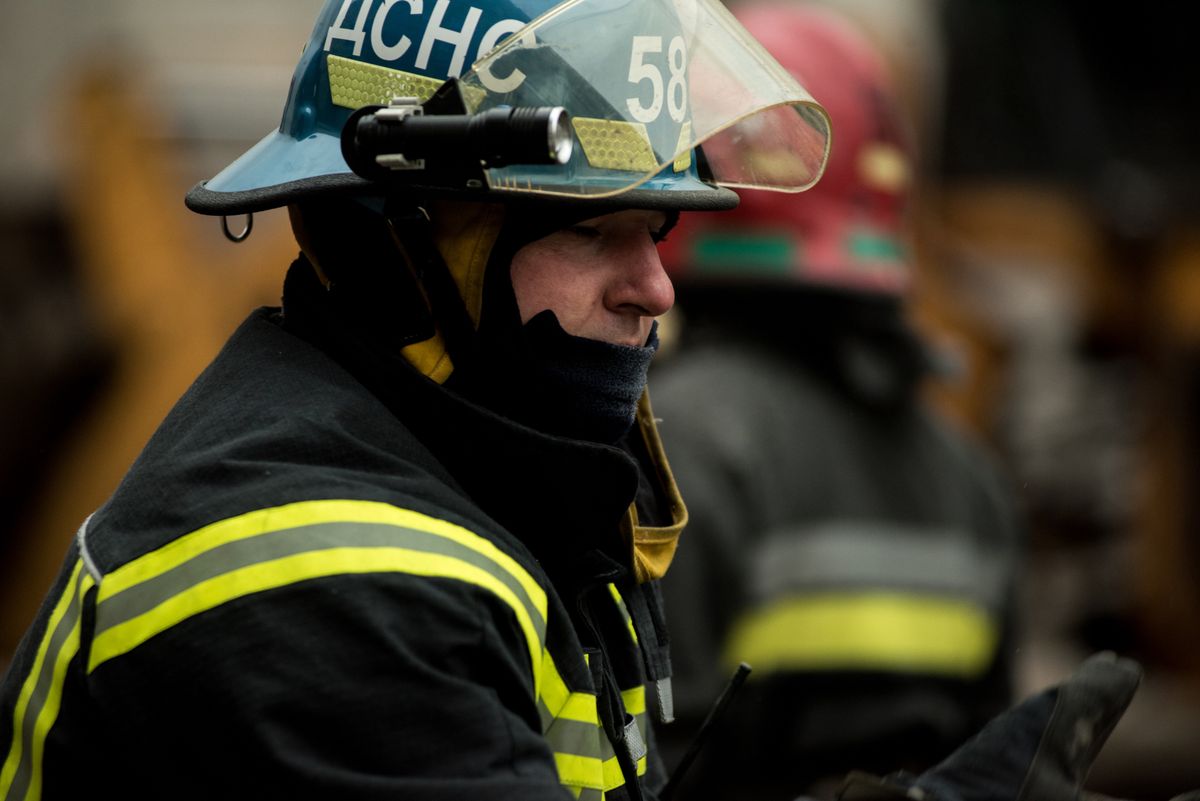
(412, 234)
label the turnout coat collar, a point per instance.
(562, 498)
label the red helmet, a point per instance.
(847, 232)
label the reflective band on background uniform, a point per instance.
(870, 630)
(41, 695)
(851, 555)
(272, 548)
(872, 595)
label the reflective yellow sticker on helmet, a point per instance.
(354, 84)
(684, 147)
(615, 144)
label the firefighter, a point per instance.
(403, 537)
(387, 545)
(843, 540)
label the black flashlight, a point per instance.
(401, 137)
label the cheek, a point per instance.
(539, 283)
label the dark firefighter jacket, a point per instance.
(326, 583)
(863, 560)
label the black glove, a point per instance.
(1040, 750)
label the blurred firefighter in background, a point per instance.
(854, 549)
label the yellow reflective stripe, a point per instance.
(308, 513)
(561, 702)
(683, 147)
(553, 693)
(320, 560)
(41, 693)
(579, 771)
(580, 707)
(206, 595)
(615, 144)
(887, 631)
(597, 774)
(612, 590)
(635, 700)
(354, 84)
(56, 616)
(558, 704)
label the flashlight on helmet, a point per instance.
(378, 140)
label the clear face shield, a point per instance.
(645, 82)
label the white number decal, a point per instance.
(640, 70)
(677, 86)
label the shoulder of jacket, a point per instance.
(286, 545)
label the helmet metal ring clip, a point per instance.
(244, 235)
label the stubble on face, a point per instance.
(602, 278)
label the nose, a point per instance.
(641, 285)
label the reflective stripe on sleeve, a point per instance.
(571, 725)
(271, 548)
(616, 596)
(40, 698)
(873, 631)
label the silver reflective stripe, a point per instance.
(634, 741)
(81, 542)
(544, 714)
(21, 775)
(147, 595)
(858, 554)
(574, 737)
(666, 700)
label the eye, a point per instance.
(659, 234)
(584, 231)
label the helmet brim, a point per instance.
(251, 184)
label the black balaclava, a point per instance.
(538, 374)
(535, 374)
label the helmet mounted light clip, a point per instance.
(396, 112)
(440, 144)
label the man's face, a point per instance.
(602, 278)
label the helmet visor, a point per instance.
(645, 82)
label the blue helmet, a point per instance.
(644, 82)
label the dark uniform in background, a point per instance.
(859, 553)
